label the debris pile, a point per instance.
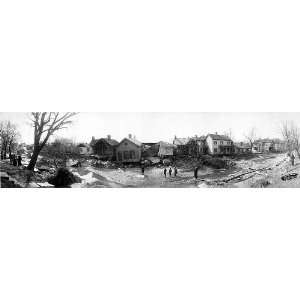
(63, 178)
(289, 176)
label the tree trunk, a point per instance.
(34, 157)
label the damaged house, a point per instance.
(242, 148)
(129, 150)
(181, 145)
(105, 148)
(150, 149)
(166, 150)
(197, 146)
(263, 145)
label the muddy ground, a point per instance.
(264, 170)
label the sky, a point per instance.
(161, 126)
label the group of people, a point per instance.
(170, 171)
(15, 160)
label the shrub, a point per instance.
(64, 178)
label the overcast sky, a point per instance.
(152, 127)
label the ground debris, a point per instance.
(289, 176)
(63, 178)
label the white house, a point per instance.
(219, 144)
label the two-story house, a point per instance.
(219, 144)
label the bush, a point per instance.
(64, 178)
(214, 162)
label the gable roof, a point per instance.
(219, 137)
(132, 140)
(111, 142)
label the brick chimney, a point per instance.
(216, 133)
(130, 135)
(109, 137)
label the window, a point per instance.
(126, 154)
(215, 142)
(215, 150)
(132, 154)
(119, 156)
(125, 143)
(221, 142)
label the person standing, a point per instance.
(19, 160)
(175, 171)
(143, 170)
(15, 162)
(292, 159)
(165, 172)
(170, 172)
(196, 173)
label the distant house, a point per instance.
(263, 145)
(129, 150)
(181, 145)
(279, 145)
(166, 149)
(197, 146)
(105, 148)
(219, 144)
(84, 149)
(242, 148)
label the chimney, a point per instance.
(108, 136)
(130, 135)
(216, 132)
(93, 138)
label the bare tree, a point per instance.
(229, 133)
(251, 136)
(9, 137)
(291, 135)
(45, 124)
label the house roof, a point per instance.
(264, 141)
(110, 141)
(132, 140)
(180, 141)
(219, 137)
